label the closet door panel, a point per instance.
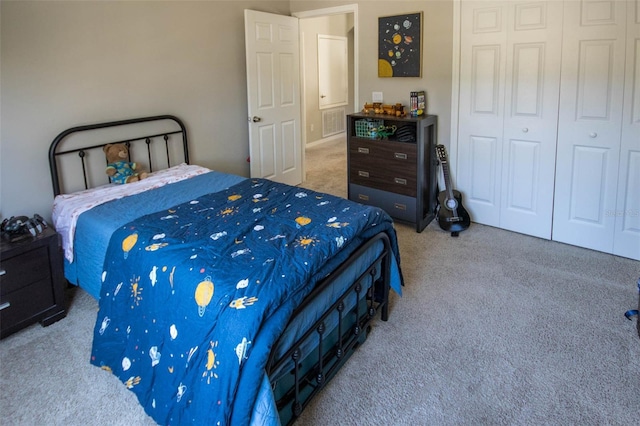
(588, 189)
(509, 88)
(482, 70)
(591, 99)
(484, 180)
(523, 167)
(627, 212)
(531, 117)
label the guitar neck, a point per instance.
(447, 179)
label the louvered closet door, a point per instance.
(626, 240)
(589, 132)
(509, 78)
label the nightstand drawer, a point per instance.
(398, 206)
(25, 303)
(23, 270)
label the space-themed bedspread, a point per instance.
(186, 292)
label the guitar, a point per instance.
(452, 216)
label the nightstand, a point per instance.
(32, 283)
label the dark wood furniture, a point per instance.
(32, 283)
(398, 176)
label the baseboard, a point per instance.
(326, 140)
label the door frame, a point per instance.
(455, 88)
(337, 10)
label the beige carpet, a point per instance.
(494, 328)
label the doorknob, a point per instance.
(593, 135)
(256, 119)
(525, 130)
(322, 96)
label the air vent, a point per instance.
(333, 122)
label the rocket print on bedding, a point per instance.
(186, 292)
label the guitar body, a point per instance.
(452, 216)
(446, 218)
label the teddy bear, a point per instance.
(118, 168)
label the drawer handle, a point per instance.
(400, 206)
(5, 305)
(2, 272)
(400, 181)
(363, 197)
(363, 174)
(363, 150)
(400, 155)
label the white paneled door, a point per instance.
(273, 96)
(509, 85)
(626, 241)
(590, 131)
(549, 119)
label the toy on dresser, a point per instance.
(396, 110)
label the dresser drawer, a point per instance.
(393, 155)
(397, 181)
(20, 271)
(398, 206)
(384, 165)
(23, 304)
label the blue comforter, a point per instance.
(187, 292)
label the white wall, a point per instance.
(70, 63)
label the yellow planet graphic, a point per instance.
(397, 38)
(302, 220)
(384, 68)
(204, 293)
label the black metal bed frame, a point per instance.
(82, 152)
(308, 372)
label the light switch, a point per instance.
(376, 96)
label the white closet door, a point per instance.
(509, 85)
(483, 41)
(531, 117)
(626, 240)
(591, 99)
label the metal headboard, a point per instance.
(55, 150)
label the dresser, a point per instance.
(397, 172)
(32, 282)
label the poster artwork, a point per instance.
(399, 45)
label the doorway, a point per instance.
(342, 21)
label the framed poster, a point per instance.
(400, 45)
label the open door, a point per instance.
(273, 96)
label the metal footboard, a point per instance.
(310, 372)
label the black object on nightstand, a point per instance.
(396, 173)
(32, 283)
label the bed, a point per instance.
(222, 299)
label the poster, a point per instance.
(400, 45)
